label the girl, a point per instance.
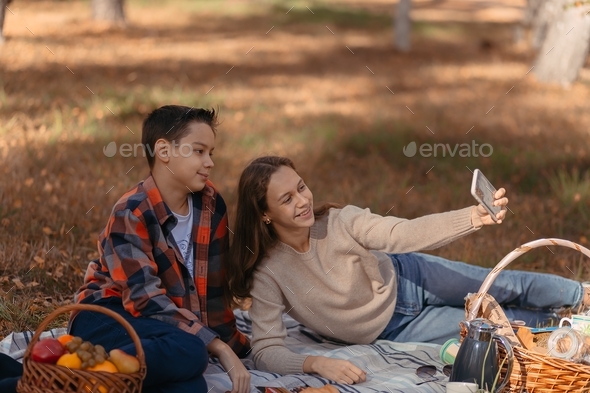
(352, 276)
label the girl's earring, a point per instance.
(267, 221)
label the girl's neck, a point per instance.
(297, 239)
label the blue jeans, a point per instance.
(431, 296)
(175, 359)
(10, 373)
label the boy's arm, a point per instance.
(131, 260)
(220, 317)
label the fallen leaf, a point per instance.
(19, 284)
(47, 230)
(39, 261)
(17, 204)
(59, 272)
(29, 182)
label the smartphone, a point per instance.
(483, 192)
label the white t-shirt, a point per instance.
(182, 233)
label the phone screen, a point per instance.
(483, 191)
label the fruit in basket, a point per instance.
(48, 350)
(70, 360)
(73, 344)
(101, 388)
(106, 366)
(90, 355)
(125, 363)
(66, 338)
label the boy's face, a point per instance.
(190, 160)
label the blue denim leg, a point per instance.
(175, 360)
(10, 373)
(432, 290)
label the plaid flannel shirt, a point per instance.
(140, 263)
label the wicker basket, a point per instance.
(49, 378)
(534, 372)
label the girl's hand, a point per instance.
(340, 371)
(239, 375)
(480, 216)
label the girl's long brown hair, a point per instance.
(253, 238)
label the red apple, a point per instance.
(48, 350)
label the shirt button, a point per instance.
(192, 287)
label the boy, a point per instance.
(160, 266)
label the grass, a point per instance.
(299, 92)
(572, 188)
(338, 16)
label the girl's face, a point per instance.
(290, 202)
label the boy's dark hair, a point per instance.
(171, 122)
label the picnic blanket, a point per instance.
(391, 367)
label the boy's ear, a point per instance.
(162, 150)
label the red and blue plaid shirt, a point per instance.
(140, 263)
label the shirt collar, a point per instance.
(162, 211)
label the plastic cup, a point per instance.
(449, 350)
(461, 387)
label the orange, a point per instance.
(70, 360)
(106, 366)
(65, 339)
(101, 388)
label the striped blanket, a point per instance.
(391, 367)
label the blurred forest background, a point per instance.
(327, 83)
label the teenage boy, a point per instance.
(160, 262)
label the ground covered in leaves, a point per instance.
(317, 81)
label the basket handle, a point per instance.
(475, 305)
(89, 307)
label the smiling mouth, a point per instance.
(203, 174)
(304, 213)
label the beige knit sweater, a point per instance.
(339, 288)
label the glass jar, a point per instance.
(567, 343)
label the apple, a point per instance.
(48, 350)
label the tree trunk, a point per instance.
(538, 15)
(108, 10)
(3, 4)
(402, 26)
(565, 47)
